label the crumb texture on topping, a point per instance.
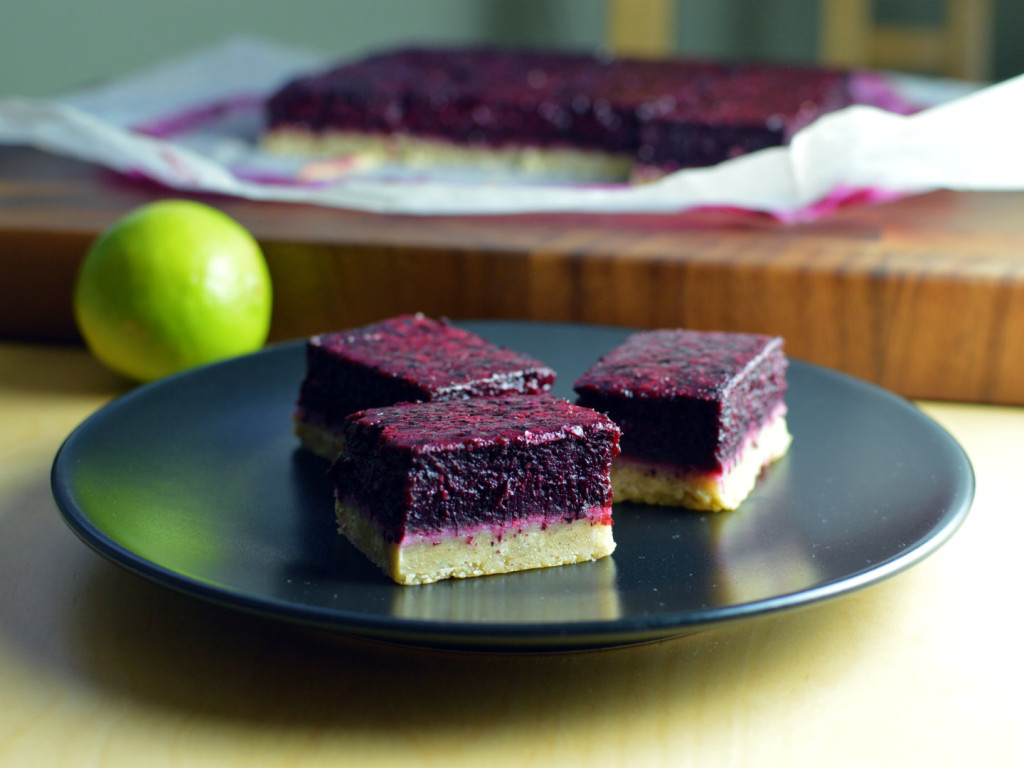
(409, 358)
(674, 363)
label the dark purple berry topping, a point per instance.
(687, 398)
(456, 465)
(410, 358)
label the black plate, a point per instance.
(195, 482)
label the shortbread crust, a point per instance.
(423, 558)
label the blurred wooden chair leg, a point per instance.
(643, 28)
(960, 46)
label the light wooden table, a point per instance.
(101, 668)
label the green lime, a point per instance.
(172, 285)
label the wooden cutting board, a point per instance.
(924, 296)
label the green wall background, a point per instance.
(50, 46)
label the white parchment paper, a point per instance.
(193, 124)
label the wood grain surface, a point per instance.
(924, 296)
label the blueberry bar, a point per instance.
(701, 414)
(404, 358)
(456, 489)
(548, 112)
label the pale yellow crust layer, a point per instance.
(426, 560)
(417, 152)
(635, 480)
(321, 441)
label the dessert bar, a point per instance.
(404, 358)
(454, 489)
(548, 113)
(701, 414)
